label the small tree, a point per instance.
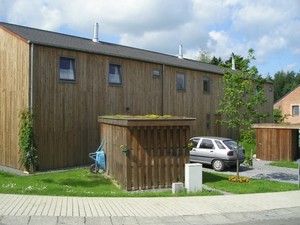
(278, 117)
(243, 92)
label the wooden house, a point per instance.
(289, 106)
(69, 81)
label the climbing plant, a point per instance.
(26, 141)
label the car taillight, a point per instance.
(230, 153)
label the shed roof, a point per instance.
(59, 40)
(276, 126)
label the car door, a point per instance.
(205, 151)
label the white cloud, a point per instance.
(220, 26)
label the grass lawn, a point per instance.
(287, 164)
(219, 181)
(76, 182)
(80, 182)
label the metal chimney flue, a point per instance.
(180, 53)
(96, 33)
(232, 62)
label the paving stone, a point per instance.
(39, 220)
(68, 220)
(98, 221)
(15, 220)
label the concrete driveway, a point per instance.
(261, 170)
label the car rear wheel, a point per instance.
(218, 165)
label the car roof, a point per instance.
(214, 138)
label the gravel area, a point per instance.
(261, 170)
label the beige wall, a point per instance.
(286, 105)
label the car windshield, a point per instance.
(231, 144)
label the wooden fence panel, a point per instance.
(156, 157)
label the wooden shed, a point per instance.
(277, 142)
(156, 150)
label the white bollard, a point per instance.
(193, 177)
(177, 187)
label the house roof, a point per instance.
(59, 40)
(286, 95)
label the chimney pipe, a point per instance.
(180, 55)
(232, 62)
(96, 33)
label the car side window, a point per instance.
(195, 142)
(220, 146)
(206, 143)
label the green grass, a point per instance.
(80, 182)
(219, 181)
(287, 164)
(76, 182)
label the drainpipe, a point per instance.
(162, 89)
(31, 77)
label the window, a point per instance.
(206, 143)
(206, 84)
(220, 146)
(208, 121)
(156, 73)
(115, 76)
(295, 110)
(66, 69)
(180, 82)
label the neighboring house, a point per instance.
(69, 81)
(289, 105)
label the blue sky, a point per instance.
(220, 27)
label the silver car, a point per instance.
(216, 151)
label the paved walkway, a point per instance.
(226, 209)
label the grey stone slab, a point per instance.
(68, 220)
(46, 220)
(15, 220)
(124, 221)
(199, 220)
(149, 220)
(216, 219)
(98, 221)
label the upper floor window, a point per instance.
(115, 76)
(66, 69)
(295, 110)
(156, 73)
(206, 84)
(180, 82)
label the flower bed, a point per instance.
(240, 179)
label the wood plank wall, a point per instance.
(156, 158)
(14, 90)
(66, 113)
(277, 144)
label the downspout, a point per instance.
(31, 77)
(162, 89)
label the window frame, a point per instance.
(206, 85)
(120, 70)
(180, 77)
(293, 111)
(72, 64)
(156, 73)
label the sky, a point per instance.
(219, 27)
